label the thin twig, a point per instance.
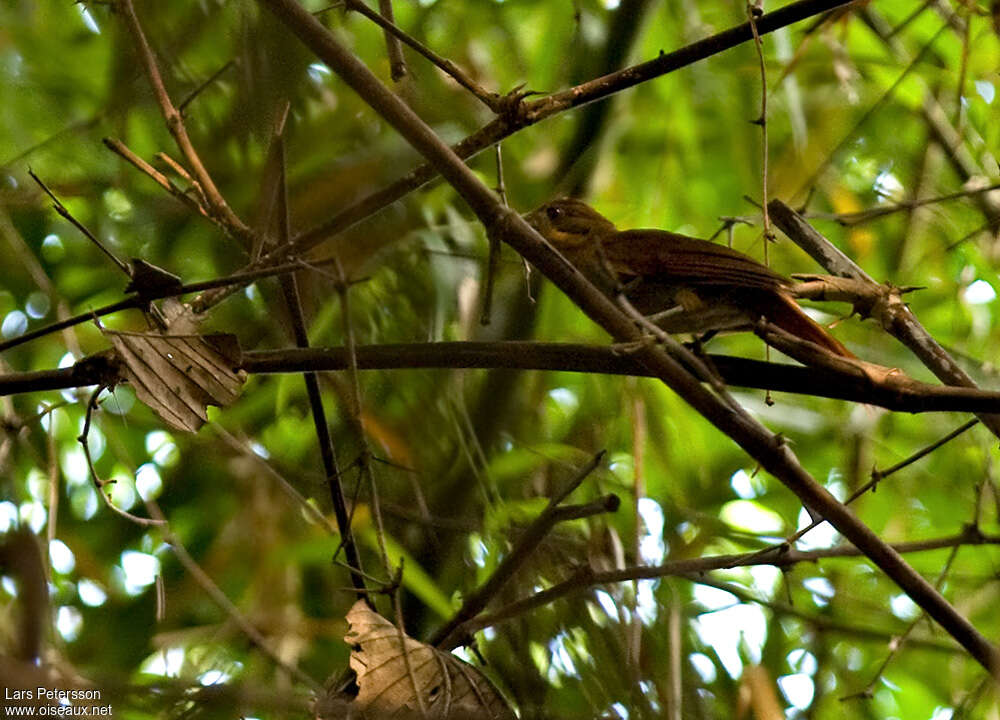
(175, 124)
(754, 9)
(634, 636)
(239, 279)
(26, 258)
(493, 258)
(991, 224)
(923, 452)
(119, 148)
(910, 19)
(61, 209)
(397, 607)
(397, 65)
(501, 187)
(752, 12)
(900, 640)
(860, 217)
(445, 636)
(823, 622)
(364, 456)
(701, 369)
(100, 484)
(182, 106)
(934, 116)
(73, 127)
(328, 455)
(963, 70)
(182, 171)
(55, 489)
(209, 586)
(876, 478)
(586, 578)
(489, 99)
(286, 487)
(581, 475)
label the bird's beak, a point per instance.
(532, 219)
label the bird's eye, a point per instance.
(554, 213)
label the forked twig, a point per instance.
(876, 477)
(119, 148)
(446, 636)
(218, 206)
(893, 315)
(897, 643)
(695, 569)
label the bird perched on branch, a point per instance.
(681, 283)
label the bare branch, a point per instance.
(100, 484)
(892, 314)
(328, 454)
(779, 556)
(61, 209)
(845, 384)
(175, 124)
(447, 636)
(761, 444)
(397, 66)
(119, 148)
(521, 115)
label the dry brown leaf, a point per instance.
(448, 686)
(177, 376)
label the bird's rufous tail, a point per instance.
(790, 317)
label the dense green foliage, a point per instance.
(464, 459)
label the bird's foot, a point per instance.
(634, 346)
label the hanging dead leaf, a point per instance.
(177, 376)
(392, 677)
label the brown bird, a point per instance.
(682, 283)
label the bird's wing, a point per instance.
(681, 260)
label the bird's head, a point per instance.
(568, 223)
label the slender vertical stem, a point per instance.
(397, 65)
(290, 288)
